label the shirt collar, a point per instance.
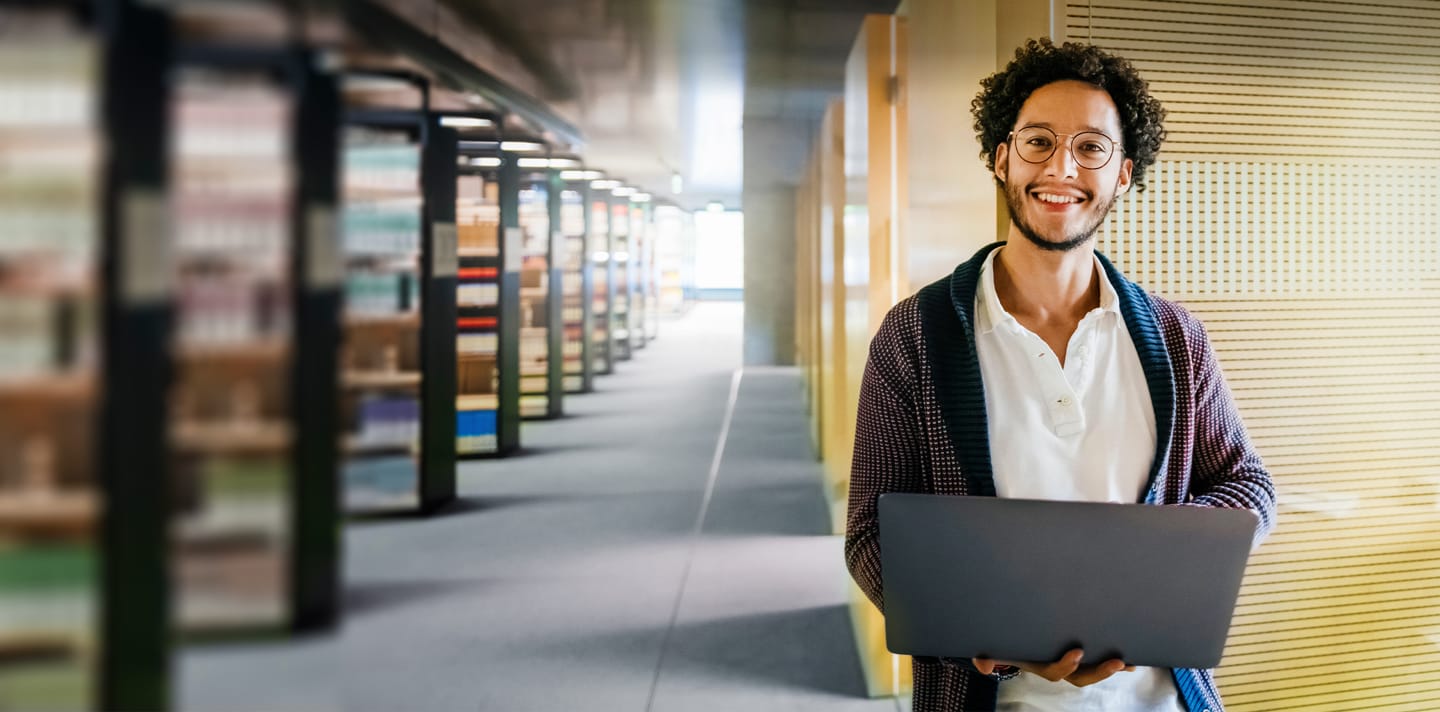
(989, 313)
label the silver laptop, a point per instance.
(1014, 579)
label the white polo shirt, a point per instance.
(1084, 432)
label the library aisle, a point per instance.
(616, 564)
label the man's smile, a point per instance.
(1058, 198)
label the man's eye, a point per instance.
(1038, 142)
(1092, 147)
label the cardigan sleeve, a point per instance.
(1227, 471)
(887, 445)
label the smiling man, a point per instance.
(1036, 370)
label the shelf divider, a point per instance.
(439, 277)
(134, 655)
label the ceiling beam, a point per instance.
(381, 27)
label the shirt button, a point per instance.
(1083, 350)
(1063, 402)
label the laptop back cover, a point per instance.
(1014, 579)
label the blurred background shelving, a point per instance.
(50, 376)
(578, 373)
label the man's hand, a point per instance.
(1067, 668)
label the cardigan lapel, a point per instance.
(1149, 341)
(947, 316)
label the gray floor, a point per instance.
(619, 563)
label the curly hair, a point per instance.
(1039, 63)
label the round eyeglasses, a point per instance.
(1036, 144)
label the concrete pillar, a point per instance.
(775, 155)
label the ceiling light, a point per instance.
(715, 206)
(486, 162)
(521, 146)
(581, 175)
(641, 197)
(677, 184)
(604, 184)
(466, 122)
(623, 191)
(534, 163)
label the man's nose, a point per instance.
(1061, 163)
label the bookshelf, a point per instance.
(601, 334)
(257, 273)
(577, 285)
(398, 357)
(84, 311)
(477, 217)
(486, 418)
(230, 429)
(674, 259)
(623, 277)
(540, 297)
(381, 226)
(50, 379)
(487, 393)
(643, 321)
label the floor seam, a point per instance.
(713, 475)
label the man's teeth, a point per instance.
(1059, 199)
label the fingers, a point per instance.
(1067, 668)
(1060, 669)
(1091, 674)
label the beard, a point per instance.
(1015, 202)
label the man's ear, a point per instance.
(1002, 151)
(1124, 180)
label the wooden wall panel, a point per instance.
(1297, 212)
(834, 367)
(875, 267)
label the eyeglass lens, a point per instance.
(1091, 150)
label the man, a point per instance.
(1036, 370)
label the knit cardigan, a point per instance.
(922, 428)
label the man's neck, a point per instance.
(1045, 287)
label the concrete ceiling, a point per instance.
(660, 88)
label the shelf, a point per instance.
(44, 283)
(233, 438)
(266, 350)
(49, 513)
(355, 445)
(485, 401)
(395, 261)
(352, 193)
(37, 645)
(381, 380)
(398, 320)
(49, 387)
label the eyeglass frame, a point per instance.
(1069, 146)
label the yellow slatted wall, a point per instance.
(1297, 211)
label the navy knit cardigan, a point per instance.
(922, 428)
